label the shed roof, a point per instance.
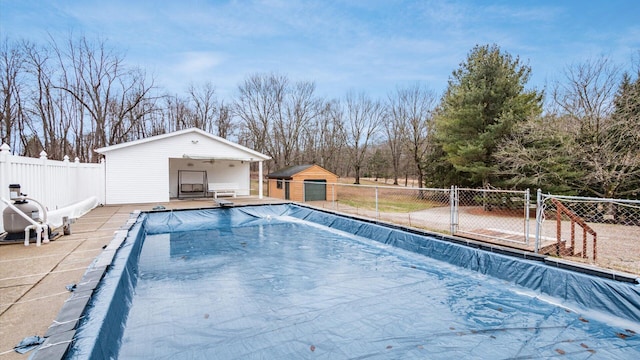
(289, 172)
(257, 155)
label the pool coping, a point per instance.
(61, 333)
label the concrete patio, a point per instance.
(33, 279)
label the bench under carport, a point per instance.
(223, 189)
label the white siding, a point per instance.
(142, 173)
(134, 175)
(220, 171)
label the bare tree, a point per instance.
(363, 118)
(106, 88)
(11, 66)
(140, 122)
(590, 146)
(46, 106)
(204, 100)
(411, 113)
(586, 96)
(256, 106)
(300, 109)
(177, 113)
(324, 139)
(614, 166)
(224, 121)
(395, 128)
(132, 103)
(587, 101)
(275, 114)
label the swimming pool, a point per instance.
(288, 281)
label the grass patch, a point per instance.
(390, 199)
(389, 205)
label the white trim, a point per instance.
(106, 149)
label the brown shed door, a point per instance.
(315, 190)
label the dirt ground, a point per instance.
(617, 246)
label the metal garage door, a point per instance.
(315, 190)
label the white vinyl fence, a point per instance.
(55, 184)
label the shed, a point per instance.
(302, 183)
(181, 164)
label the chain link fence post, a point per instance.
(496, 216)
(527, 201)
(453, 205)
(333, 195)
(539, 218)
(377, 207)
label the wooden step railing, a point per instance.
(575, 219)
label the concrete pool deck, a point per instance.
(33, 279)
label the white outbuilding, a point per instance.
(183, 164)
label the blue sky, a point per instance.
(359, 45)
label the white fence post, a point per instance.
(41, 190)
(53, 183)
(70, 179)
(5, 166)
(5, 153)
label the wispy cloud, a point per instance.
(196, 62)
(367, 45)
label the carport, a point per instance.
(177, 165)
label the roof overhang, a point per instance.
(214, 157)
(250, 154)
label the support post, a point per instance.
(260, 179)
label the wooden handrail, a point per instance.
(575, 219)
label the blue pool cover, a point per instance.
(289, 282)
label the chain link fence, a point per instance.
(424, 208)
(602, 232)
(491, 215)
(416, 207)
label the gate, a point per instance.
(492, 215)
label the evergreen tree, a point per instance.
(484, 99)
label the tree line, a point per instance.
(578, 137)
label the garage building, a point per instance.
(302, 183)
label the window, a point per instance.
(279, 183)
